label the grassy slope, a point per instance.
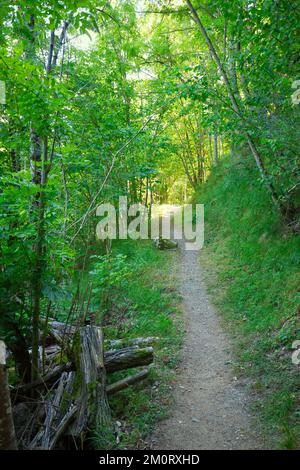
(256, 286)
(145, 305)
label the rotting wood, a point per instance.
(124, 383)
(60, 409)
(122, 343)
(60, 331)
(125, 358)
(73, 396)
(93, 408)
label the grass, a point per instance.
(256, 262)
(144, 304)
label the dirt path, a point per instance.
(210, 410)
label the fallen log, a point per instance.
(114, 360)
(113, 344)
(165, 244)
(126, 358)
(75, 394)
(7, 429)
(60, 331)
(124, 383)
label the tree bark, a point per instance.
(121, 343)
(51, 50)
(93, 408)
(7, 430)
(126, 358)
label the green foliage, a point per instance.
(81, 112)
(110, 269)
(143, 111)
(108, 272)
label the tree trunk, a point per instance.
(19, 348)
(37, 283)
(38, 162)
(215, 147)
(93, 408)
(236, 108)
(7, 430)
(37, 210)
(232, 68)
(210, 152)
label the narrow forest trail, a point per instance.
(211, 406)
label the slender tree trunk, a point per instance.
(60, 44)
(187, 171)
(220, 147)
(36, 171)
(66, 196)
(210, 149)
(232, 69)
(39, 170)
(133, 191)
(215, 147)
(146, 195)
(151, 199)
(15, 163)
(51, 50)
(236, 108)
(243, 83)
(38, 270)
(225, 41)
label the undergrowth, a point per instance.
(255, 261)
(144, 304)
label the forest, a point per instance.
(162, 102)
